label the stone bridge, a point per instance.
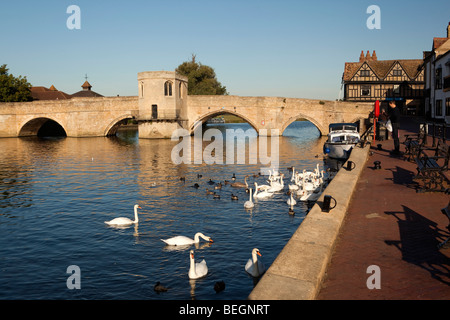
(78, 117)
(163, 106)
(274, 113)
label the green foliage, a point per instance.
(201, 79)
(13, 89)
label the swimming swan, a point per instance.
(255, 267)
(291, 201)
(249, 203)
(182, 240)
(276, 186)
(261, 192)
(240, 184)
(125, 221)
(197, 269)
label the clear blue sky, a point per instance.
(257, 47)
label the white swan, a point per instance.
(277, 186)
(197, 269)
(291, 200)
(261, 194)
(125, 221)
(182, 240)
(249, 203)
(255, 267)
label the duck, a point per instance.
(209, 191)
(197, 269)
(234, 197)
(182, 240)
(291, 210)
(255, 267)
(249, 203)
(159, 288)
(216, 196)
(219, 286)
(233, 178)
(218, 186)
(125, 221)
(210, 182)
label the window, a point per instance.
(438, 79)
(397, 73)
(396, 88)
(180, 90)
(447, 84)
(447, 107)
(438, 111)
(168, 88)
(364, 73)
(365, 91)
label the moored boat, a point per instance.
(342, 137)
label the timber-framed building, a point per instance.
(371, 79)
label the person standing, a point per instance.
(394, 115)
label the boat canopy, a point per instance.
(343, 126)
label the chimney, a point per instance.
(448, 30)
(361, 57)
(368, 57)
(374, 56)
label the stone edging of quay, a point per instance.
(298, 271)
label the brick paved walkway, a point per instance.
(393, 227)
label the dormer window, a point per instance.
(364, 73)
(168, 88)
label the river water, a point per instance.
(56, 194)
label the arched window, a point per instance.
(168, 88)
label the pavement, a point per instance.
(387, 246)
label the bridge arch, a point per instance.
(113, 126)
(319, 127)
(34, 127)
(202, 119)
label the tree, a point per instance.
(201, 79)
(13, 89)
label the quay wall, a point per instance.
(299, 269)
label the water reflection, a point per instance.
(61, 191)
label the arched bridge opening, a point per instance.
(210, 119)
(294, 122)
(42, 127)
(116, 124)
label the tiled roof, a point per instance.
(43, 93)
(382, 67)
(86, 94)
